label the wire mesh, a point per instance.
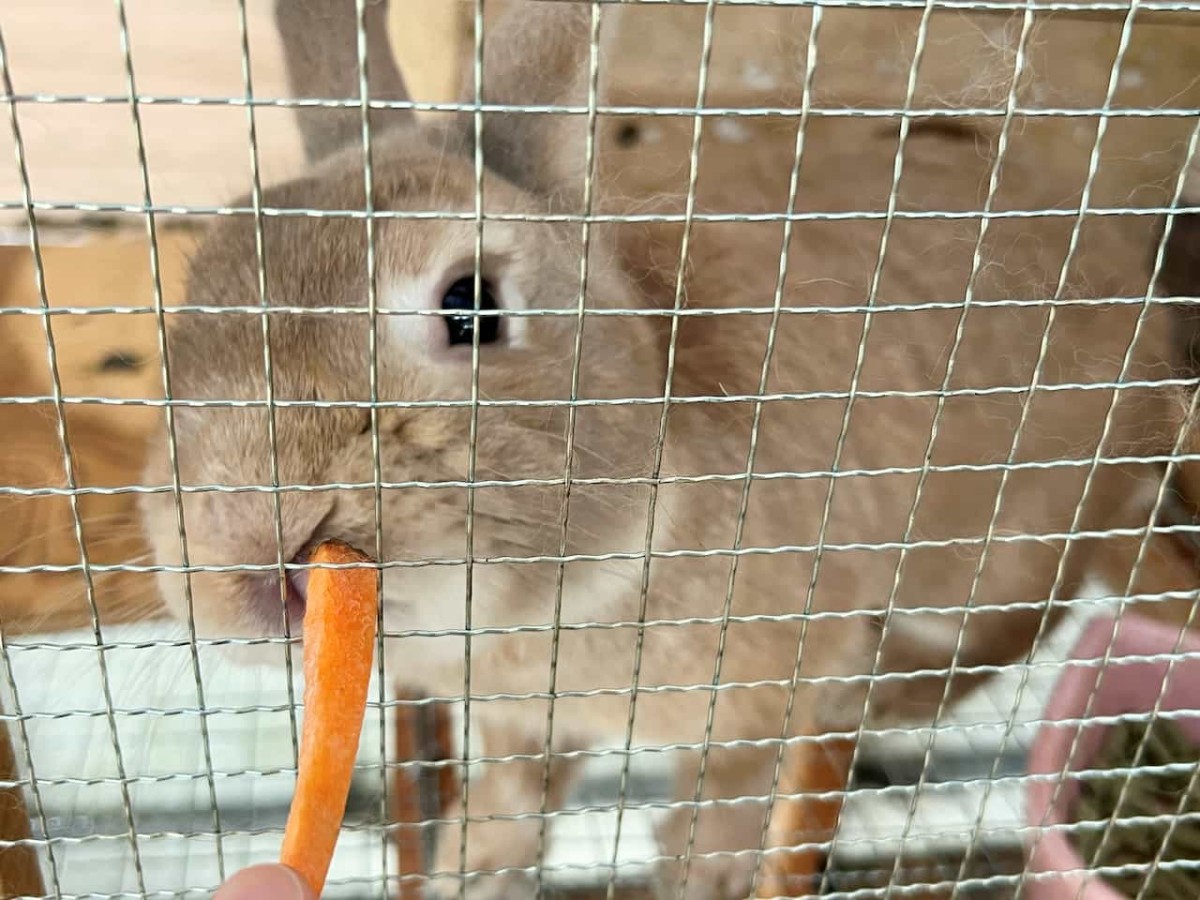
(151, 768)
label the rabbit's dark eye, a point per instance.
(120, 361)
(461, 329)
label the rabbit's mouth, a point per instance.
(272, 601)
(296, 600)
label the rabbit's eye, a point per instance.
(461, 296)
(120, 361)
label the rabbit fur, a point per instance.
(824, 535)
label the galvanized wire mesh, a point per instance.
(221, 831)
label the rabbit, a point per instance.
(1179, 277)
(837, 578)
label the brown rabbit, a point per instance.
(856, 523)
(1181, 279)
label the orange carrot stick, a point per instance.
(339, 637)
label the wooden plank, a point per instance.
(20, 870)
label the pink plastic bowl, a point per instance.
(1125, 687)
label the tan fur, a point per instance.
(335, 74)
(314, 262)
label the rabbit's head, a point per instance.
(372, 405)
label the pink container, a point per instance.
(1124, 687)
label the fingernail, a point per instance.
(265, 882)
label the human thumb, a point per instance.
(265, 882)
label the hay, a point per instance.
(1149, 794)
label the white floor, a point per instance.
(163, 756)
(164, 761)
(959, 804)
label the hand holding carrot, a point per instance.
(269, 882)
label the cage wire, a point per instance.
(149, 768)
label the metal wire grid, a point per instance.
(202, 711)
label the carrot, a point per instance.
(339, 637)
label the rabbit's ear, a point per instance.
(320, 43)
(538, 54)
